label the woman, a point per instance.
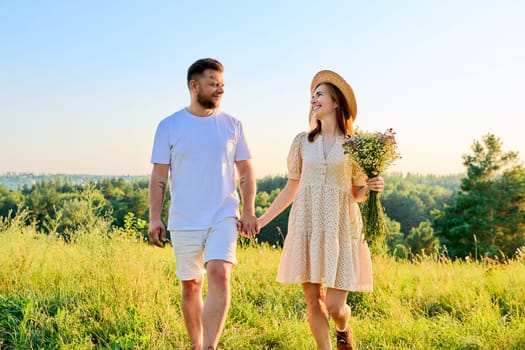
(324, 247)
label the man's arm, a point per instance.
(158, 185)
(248, 190)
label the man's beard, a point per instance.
(206, 102)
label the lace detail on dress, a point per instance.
(324, 241)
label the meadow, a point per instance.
(115, 293)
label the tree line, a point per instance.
(476, 214)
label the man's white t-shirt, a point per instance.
(201, 152)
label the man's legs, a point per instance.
(192, 310)
(217, 301)
(188, 247)
(195, 251)
(220, 258)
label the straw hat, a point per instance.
(328, 76)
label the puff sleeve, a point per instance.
(295, 158)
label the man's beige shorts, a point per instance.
(194, 248)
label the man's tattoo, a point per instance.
(242, 180)
(163, 189)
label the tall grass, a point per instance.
(101, 293)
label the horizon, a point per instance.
(387, 173)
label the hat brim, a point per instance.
(328, 76)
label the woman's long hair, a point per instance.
(342, 115)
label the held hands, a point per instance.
(375, 184)
(260, 224)
(247, 225)
(157, 233)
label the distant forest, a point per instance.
(14, 181)
(477, 214)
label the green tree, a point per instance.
(79, 213)
(10, 201)
(406, 208)
(128, 196)
(134, 227)
(270, 183)
(510, 223)
(490, 194)
(44, 198)
(421, 240)
(410, 199)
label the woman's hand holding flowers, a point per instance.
(373, 153)
(375, 184)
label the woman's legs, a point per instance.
(337, 307)
(317, 317)
(340, 312)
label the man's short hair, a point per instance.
(198, 67)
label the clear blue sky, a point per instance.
(83, 84)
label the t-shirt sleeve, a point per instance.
(295, 159)
(161, 146)
(242, 152)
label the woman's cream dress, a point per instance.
(324, 243)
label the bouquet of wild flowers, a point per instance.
(373, 153)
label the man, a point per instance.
(201, 146)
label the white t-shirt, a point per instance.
(201, 152)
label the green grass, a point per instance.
(98, 293)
